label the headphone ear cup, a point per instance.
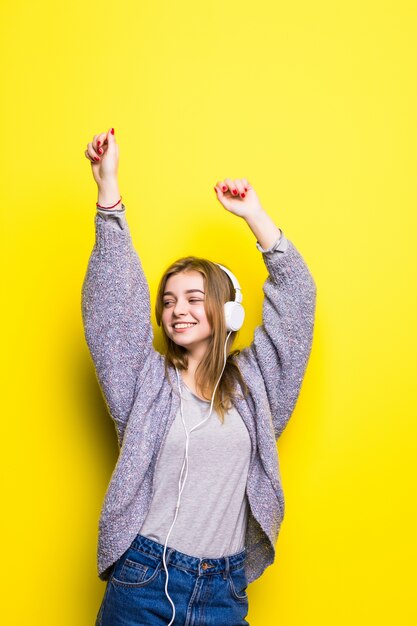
(234, 314)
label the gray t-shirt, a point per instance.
(213, 510)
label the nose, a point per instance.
(180, 308)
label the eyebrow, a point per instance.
(169, 293)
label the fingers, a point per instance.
(98, 146)
(88, 156)
(234, 188)
(91, 153)
(98, 142)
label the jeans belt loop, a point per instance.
(226, 567)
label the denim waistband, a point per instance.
(196, 565)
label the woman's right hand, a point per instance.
(103, 153)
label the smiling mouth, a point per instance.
(183, 326)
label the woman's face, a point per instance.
(184, 317)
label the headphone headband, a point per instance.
(233, 309)
(238, 290)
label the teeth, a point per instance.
(183, 325)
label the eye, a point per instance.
(195, 300)
(168, 302)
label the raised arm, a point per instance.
(116, 304)
(279, 352)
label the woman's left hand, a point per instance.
(238, 197)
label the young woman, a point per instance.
(194, 506)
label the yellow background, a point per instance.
(313, 102)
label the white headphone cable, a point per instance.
(185, 464)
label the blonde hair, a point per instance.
(218, 289)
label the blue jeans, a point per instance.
(205, 592)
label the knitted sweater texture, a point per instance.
(143, 401)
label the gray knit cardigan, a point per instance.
(143, 401)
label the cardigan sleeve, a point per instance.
(116, 315)
(280, 350)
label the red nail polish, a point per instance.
(96, 158)
(243, 195)
(234, 192)
(112, 131)
(224, 188)
(98, 143)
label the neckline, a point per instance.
(194, 394)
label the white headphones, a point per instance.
(234, 315)
(233, 310)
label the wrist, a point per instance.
(108, 193)
(263, 227)
(255, 217)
